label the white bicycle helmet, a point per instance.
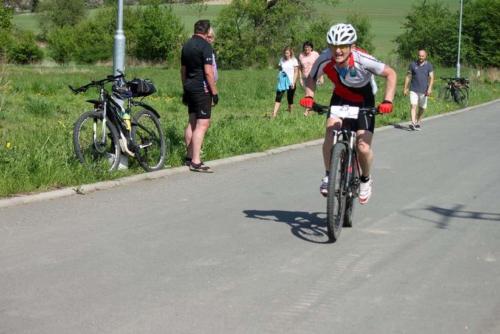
(341, 34)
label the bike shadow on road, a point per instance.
(445, 215)
(308, 226)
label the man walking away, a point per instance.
(421, 75)
(200, 92)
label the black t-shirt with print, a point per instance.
(196, 53)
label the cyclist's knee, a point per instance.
(363, 147)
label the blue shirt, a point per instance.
(420, 76)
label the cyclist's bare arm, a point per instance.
(209, 75)
(310, 86)
(390, 84)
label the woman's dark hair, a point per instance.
(307, 43)
(202, 27)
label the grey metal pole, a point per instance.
(459, 38)
(119, 42)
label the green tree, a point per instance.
(60, 13)
(481, 32)
(363, 30)
(430, 26)
(254, 33)
(249, 33)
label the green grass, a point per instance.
(37, 113)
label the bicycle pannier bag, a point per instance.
(141, 87)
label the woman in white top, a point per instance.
(288, 66)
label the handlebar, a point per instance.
(97, 83)
(461, 79)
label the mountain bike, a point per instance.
(456, 89)
(344, 178)
(119, 124)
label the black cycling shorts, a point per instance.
(199, 104)
(365, 121)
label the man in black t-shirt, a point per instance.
(200, 92)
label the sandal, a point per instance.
(201, 168)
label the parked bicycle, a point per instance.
(456, 89)
(344, 178)
(119, 124)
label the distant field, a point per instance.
(386, 17)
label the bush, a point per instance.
(60, 13)
(24, 49)
(5, 30)
(158, 35)
(93, 42)
(61, 43)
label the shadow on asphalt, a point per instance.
(456, 212)
(308, 226)
(400, 127)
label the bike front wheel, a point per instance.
(96, 146)
(149, 141)
(336, 201)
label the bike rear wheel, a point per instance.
(147, 136)
(352, 191)
(94, 146)
(445, 93)
(461, 96)
(336, 201)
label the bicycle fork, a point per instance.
(352, 181)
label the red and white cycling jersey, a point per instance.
(349, 80)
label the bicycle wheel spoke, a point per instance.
(89, 146)
(147, 136)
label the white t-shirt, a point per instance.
(288, 66)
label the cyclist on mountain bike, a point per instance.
(352, 72)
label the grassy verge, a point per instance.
(37, 113)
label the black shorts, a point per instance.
(365, 121)
(199, 104)
(290, 93)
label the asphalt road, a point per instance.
(244, 250)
